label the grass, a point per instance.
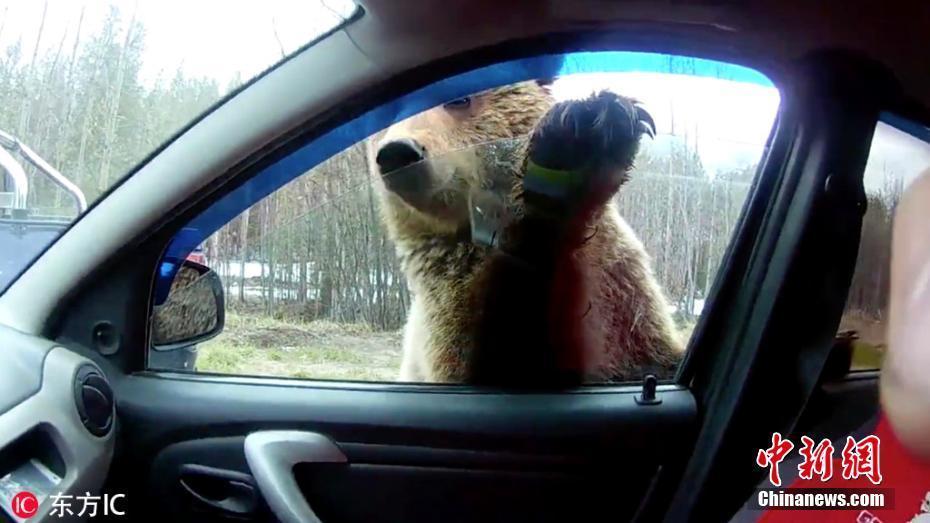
(867, 356)
(257, 345)
(262, 346)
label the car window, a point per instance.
(89, 89)
(896, 157)
(583, 214)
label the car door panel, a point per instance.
(446, 494)
(466, 455)
(840, 407)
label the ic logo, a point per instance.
(25, 504)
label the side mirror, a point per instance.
(193, 311)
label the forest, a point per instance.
(316, 250)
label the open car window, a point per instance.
(900, 151)
(454, 229)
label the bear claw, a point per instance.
(602, 129)
(583, 149)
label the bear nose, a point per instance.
(398, 154)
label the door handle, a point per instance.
(272, 455)
(227, 491)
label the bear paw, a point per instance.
(581, 152)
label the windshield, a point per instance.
(88, 90)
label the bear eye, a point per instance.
(461, 103)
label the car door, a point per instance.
(305, 448)
(297, 449)
(218, 447)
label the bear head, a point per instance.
(431, 164)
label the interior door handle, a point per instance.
(226, 491)
(272, 455)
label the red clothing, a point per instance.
(901, 471)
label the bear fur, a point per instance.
(189, 310)
(565, 293)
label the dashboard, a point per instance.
(57, 417)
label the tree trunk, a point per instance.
(243, 251)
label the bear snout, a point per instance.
(404, 172)
(398, 154)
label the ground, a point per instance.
(869, 349)
(253, 344)
(261, 346)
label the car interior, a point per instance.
(79, 397)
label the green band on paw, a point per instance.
(554, 176)
(555, 183)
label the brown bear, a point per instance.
(554, 286)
